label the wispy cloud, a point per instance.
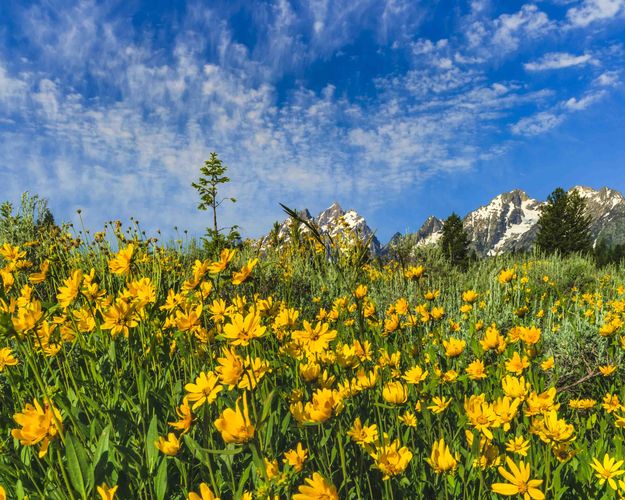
(591, 11)
(608, 79)
(505, 33)
(537, 124)
(585, 101)
(558, 60)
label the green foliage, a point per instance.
(564, 225)
(605, 253)
(212, 175)
(32, 221)
(455, 241)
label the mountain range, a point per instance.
(507, 223)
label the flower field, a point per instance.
(146, 371)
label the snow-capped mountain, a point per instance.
(509, 222)
(333, 221)
(430, 232)
(504, 224)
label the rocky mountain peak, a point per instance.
(329, 215)
(430, 232)
(516, 196)
(584, 191)
(334, 222)
(604, 196)
(502, 224)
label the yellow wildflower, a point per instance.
(225, 257)
(205, 494)
(235, 426)
(519, 482)
(415, 375)
(106, 492)
(316, 488)
(454, 347)
(391, 458)
(243, 330)
(439, 405)
(441, 459)
(296, 457)
(518, 445)
(608, 470)
(395, 393)
(363, 435)
(6, 358)
(39, 425)
(185, 416)
(121, 263)
(240, 276)
(517, 364)
(204, 390)
(169, 445)
(70, 291)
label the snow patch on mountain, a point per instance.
(530, 213)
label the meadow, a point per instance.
(131, 369)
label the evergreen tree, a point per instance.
(606, 253)
(602, 253)
(564, 225)
(455, 241)
(213, 175)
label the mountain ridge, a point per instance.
(507, 223)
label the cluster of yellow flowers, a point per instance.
(308, 398)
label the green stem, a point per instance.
(342, 455)
(64, 474)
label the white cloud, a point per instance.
(537, 124)
(130, 156)
(608, 79)
(544, 121)
(591, 11)
(11, 89)
(574, 104)
(505, 34)
(558, 60)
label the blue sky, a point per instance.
(396, 108)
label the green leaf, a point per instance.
(19, 490)
(112, 353)
(201, 454)
(100, 458)
(150, 443)
(243, 480)
(160, 481)
(83, 463)
(73, 466)
(196, 449)
(267, 406)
